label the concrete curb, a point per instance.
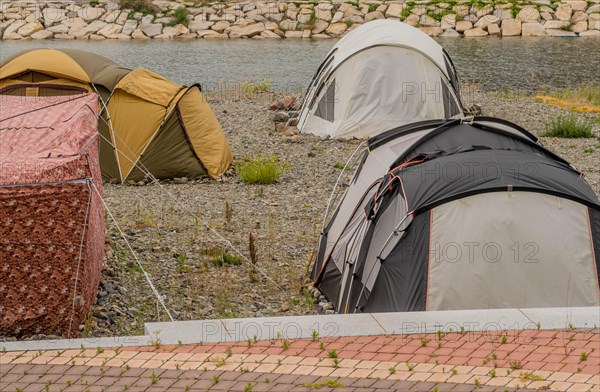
(296, 327)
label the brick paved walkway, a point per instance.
(473, 361)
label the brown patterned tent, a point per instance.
(51, 220)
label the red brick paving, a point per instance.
(499, 361)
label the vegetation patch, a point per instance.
(328, 383)
(261, 170)
(227, 258)
(258, 87)
(180, 16)
(584, 99)
(568, 126)
(144, 6)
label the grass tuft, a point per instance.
(227, 258)
(180, 17)
(144, 6)
(261, 170)
(568, 126)
(259, 87)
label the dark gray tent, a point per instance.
(461, 214)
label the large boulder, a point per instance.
(428, 21)
(151, 29)
(578, 27)
(53, 15)
(463, 25)
(432, 31)
(451, 33)
(293, 34)
(374, 16)
(319, 26)
(487, 20)
(219, 27)
(532, 29)
(175, 31)
(129, 26)
(111, 16)
(288, 24)
(42, 34)
(556, 24)
(579, 16)
(590, 33)
(58, 29)
(336, 29)
(90, 13)
(577, 5)
(449, 22)
(475, 32)
(13, 28)
(494, 29)
(198, 25)
(139, 34)
(32, 27)
(528, 14)
(394, 10)
(110, 29)
(560, 33)
(563, 13)
(511, 27)
(246, 31)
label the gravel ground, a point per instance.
(176, 249)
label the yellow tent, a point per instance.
(148, 125)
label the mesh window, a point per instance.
(326, 106)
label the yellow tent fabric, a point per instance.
(140, 105)
(210, 145)
(47, 61)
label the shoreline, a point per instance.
(161, 19)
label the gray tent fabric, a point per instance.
(475, 187)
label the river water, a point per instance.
(516, 63)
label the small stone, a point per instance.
(180, 180)
(280, 127)
(280, 117)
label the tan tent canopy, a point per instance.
(148, 125)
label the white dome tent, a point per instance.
(381, 75)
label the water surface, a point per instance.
(517, 63)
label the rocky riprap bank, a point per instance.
(299, 19)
